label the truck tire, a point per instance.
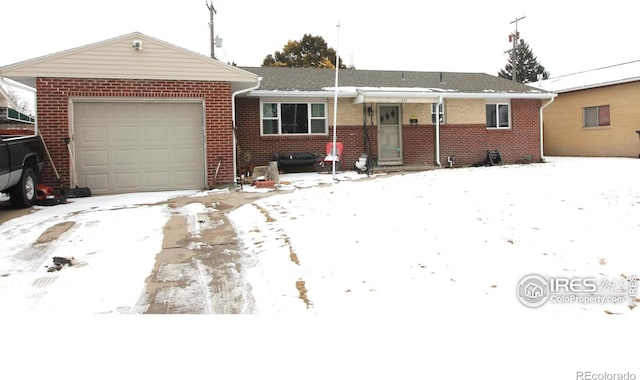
(24, 193)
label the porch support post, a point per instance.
(438, 131)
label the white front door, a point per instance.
(389, 135)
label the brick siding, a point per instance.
(469, 143)
(54, 120)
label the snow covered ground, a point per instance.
(450, 239)
(399, 276)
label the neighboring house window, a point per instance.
(498, 115)
(294, 118)
(596, 116)
(434, 108)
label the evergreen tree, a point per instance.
(310, 51)
(527, 66)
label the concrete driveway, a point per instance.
(180, 244)
(196, 271)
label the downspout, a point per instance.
(438, 131)
(542, 127)
(233, 126)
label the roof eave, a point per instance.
(399, 96)
(432, 97)
(299, 94)
(597, 85)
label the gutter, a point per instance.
(542, 126)
(300, 94)
(438, 131)
(233, 126)
(379, 96)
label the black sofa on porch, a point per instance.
(297, 161)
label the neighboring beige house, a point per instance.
(596, 113)
(11, 120)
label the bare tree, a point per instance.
(23, 105)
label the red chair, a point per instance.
(333, 154)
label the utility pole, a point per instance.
(514, 37)
(212, 11)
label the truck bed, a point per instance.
(15, 151)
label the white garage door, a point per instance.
(130, 147)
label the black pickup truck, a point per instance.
(21, 161)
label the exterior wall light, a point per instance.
(137, 44)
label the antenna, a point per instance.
(212, 11)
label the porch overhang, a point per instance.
(381, 95)
(300, 94)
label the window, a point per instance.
(434, 108)
(498, 115)
(596, 116)
(294, 118)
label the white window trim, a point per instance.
(498, 104)
(442, 112)
(309, 113)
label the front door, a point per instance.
(389, 133)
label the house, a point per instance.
(596, 112)
(135, 113)
(401, 118)
(11, 120)
(138, 114)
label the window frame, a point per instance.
(433, 113)
(497, 105)
(310, 117)
(598, 116)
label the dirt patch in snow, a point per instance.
(302, 289)
(54, 232)
(200, 269)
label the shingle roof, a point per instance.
(313, 79)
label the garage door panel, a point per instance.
(128, 147)
(128, 180)
(95, 134)
(185, 156)
(157, 180)
(158, 156)
(94, 158)
(123, 110)
(155, 135)
(96, 181)
(185, 177)
(185, 134)
(125, 135)
(124, 157)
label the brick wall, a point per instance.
(54, 120)
(418, 145)
(468, 142)
(263, 148)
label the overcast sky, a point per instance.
(463, 36)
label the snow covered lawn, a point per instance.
(454, 240)
(408, 276)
